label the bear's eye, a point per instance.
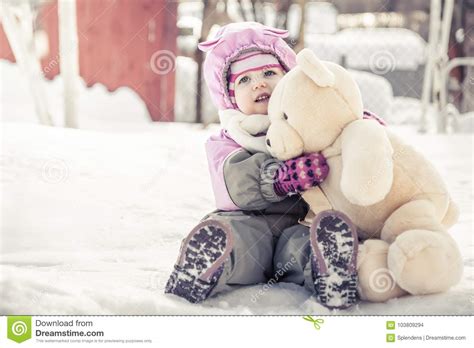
(285, 116)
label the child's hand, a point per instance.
(299, 174)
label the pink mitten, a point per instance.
(300, 173)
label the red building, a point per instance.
(121, 43)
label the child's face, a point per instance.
(253, 90)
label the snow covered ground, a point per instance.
(92, 219)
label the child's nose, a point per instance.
(260, 84)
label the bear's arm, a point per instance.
(367, 163)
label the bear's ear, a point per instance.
(314, 68)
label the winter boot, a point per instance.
(201, 261)
(334, 246)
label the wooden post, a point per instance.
(17, 21)
(300, 40)
(69, 62)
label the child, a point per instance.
(255, 234)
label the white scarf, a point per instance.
(242, 128)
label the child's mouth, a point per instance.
(263, 98)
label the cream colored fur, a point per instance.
(391, 192)
(363, 183)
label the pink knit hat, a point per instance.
(233, 41)
(252, 61)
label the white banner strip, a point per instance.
(226, 331)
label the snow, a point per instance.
(92, 219)
(94, 104)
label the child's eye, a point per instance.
(269, 73)
(244, 80)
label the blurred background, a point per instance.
(91, 63)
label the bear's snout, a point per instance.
(283, 141)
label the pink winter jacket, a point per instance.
(236, 174)
(218, 148)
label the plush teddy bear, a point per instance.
(391, 192)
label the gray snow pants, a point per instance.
(269, 247)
